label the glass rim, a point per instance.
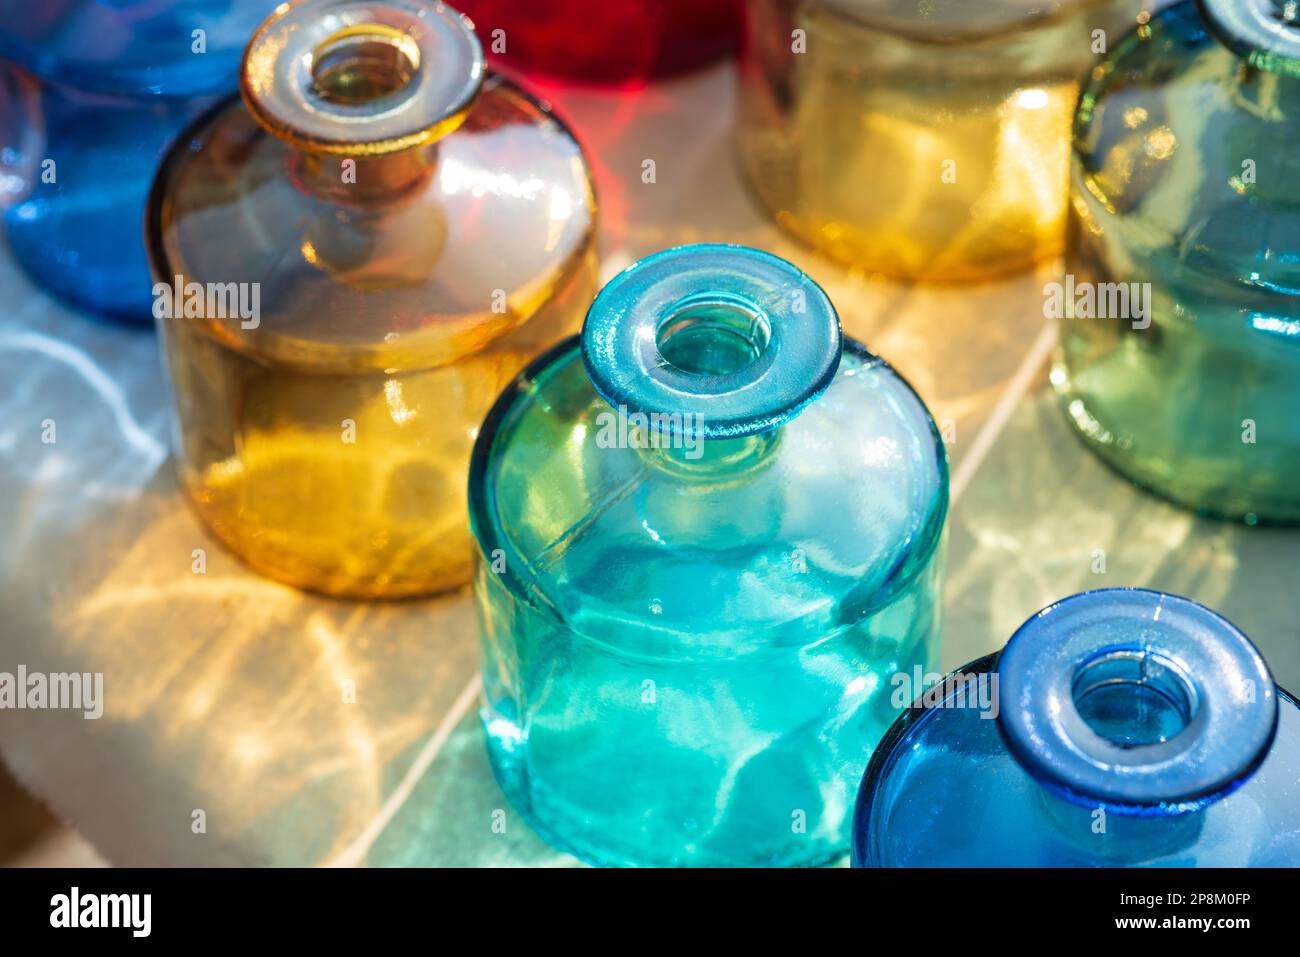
(623, 338)
(1222, 742)
(445, 73)
(1258, 30)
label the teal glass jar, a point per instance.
(709, 532)
(1180, 311)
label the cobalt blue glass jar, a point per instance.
(709, 531)
(1118, 728)
(118, 82)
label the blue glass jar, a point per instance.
(709, 532)
(1118, 728)
(1180, 308)
(118, 82)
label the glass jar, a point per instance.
(1118, 728)
(708, 534)
(1180, 331)
(606, 41)
(922, 141)
(351, 264)
(21, 142)
(118, 82)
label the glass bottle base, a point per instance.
(900, 255)
(565, 827)
(350, 485)
(1210, 487)
(322, 555)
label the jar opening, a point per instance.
(363, 63)
(713, 337)
(1134, 699)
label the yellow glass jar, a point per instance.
(351, 262)
(925, 141)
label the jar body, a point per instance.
(117, 83)
(922, 150)
(1187, 204)
(350, 483)
(687, 675)
(325, 439)
(606, 41)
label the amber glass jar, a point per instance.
(924, 141)
(352, 260)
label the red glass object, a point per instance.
(605, 41)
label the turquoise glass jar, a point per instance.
(1180, 328)
(709, 532)
(1118, 728)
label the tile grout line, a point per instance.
(1006, 406)
(355, 853)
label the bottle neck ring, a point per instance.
(1265, 32)
(1142, 702)
(717, 341)
(359, 79)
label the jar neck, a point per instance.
(1271, 96)
(365, 181)
(1270, 138)
(362, 91)
(693, 456)
(1099, 832)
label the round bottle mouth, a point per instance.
(357, 78)
(1138, 700)
(1265, 32)
(719, 340)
